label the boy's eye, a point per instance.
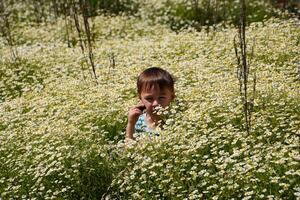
(161, 97)
(149, 98)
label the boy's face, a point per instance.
(155, 97)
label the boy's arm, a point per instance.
(129, 131)
(133, 116)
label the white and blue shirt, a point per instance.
(142, 127)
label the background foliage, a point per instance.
(61, 134)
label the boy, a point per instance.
(155, 88)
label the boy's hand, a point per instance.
(135, 112)
(133, 116)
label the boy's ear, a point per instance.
(173, 96)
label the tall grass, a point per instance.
(61, 136)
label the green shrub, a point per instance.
(115, 6)
(19, 76)
(65, 139)
(198, 14)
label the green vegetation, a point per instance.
(61, 133)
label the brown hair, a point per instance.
(153, 77)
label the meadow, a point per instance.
(62, 134)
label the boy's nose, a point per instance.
(155, 103)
